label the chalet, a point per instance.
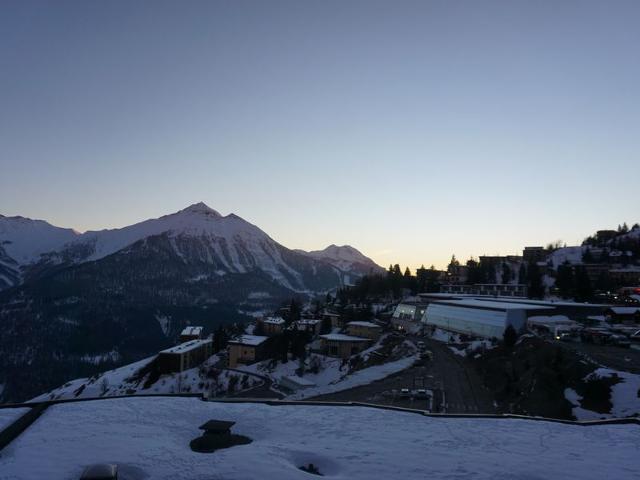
(184, 356)
(368, 330)
(271, 325)
(342, 346)
(191, 333)
(246, 349)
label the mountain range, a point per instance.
(70, 301)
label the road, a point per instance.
(617, 358)
(447, 374)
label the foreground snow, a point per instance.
(10, 415)
(149, 438)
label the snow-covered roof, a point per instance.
(186, 346)
(625, 310)
(340, 337)
(364, 324)
(273, 320)
(308, 321)
(487, 304)
(550, 320)
(191, 330)
(251, 340)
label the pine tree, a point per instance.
(510, 337)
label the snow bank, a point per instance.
(150, 437)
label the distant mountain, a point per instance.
(124, 293)
(347, 259)
(23, 241)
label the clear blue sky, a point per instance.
(411, 130)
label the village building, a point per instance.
(246, 349)
(335, 318)
(488, 289)
(481, 318)
(368, 330)
(184, 356)
(534, 254)
(625, 276)
(342, 346)
(625, 315)
(309, 325)
(271, 325)
(191, 333)
(553, 325)
(407, 315)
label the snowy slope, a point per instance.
(127, 381)
(149, 438)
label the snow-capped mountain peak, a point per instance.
(24, 239)
(346, 258)
(200, 208)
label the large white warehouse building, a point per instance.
(480, 318)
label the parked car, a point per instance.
(421, 345)
(421, 393)
(405, 393)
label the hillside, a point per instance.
(124, 294)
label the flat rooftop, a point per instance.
(341, 337)
(251, 340)
(186, 346)
(364, 324)
(489, 305)
(149, 438)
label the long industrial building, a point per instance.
(481, 318)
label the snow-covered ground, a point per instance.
(119, 382)
(457, 345)
(625, 397)
(10, 415)
(149, 438)
(333, 374)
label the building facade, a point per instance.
(368, 330)
(342, 346)
(246, 349)
(184, 356)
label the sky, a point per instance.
(411, 130)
